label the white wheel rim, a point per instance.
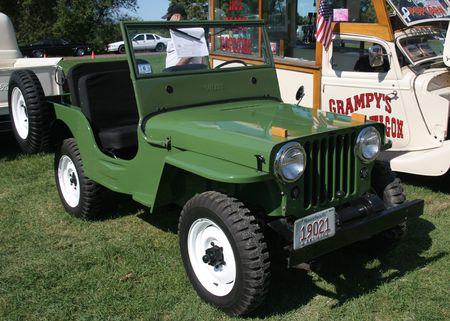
(19, 112)
(217, 280)
(68, 180)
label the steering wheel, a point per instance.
(226, 63)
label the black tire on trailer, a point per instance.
(224, 252)
(121, 49)
(389, 188)
(80, 196)
(160, 47)
(31, 115)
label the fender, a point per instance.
(216, 169)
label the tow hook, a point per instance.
(214, 256)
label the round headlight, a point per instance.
(290, 162)
(368, 144)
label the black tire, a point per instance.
(93, 196)
(389, 187)
(247, 241)
(40, 115)
(160, 47)
(121, 49)
(80, 52)
(38, 53)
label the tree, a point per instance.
(92, 21)
(195, 9)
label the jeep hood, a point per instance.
(238, 131)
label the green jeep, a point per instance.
(219, 141)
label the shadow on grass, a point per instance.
(9, 149)
(164, 218)
(353, 271)
(436, 184)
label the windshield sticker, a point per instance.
(413, 12)
(377, 101)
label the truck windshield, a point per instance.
(188, 47)
(423, 47)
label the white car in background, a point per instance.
(142, 41)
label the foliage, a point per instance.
(196, 9)
(93, 21)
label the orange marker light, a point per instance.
(280, 132)
(360, 118)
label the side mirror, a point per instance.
(376, 56)
(300, 93)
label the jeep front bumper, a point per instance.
(357, 229)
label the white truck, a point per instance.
(24, 83)
(392, 70)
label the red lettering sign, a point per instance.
(235, 5)
(394, 126)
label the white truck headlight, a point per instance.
(290, 162)
(368, 144)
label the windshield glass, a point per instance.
(188, 47)
(425, 46)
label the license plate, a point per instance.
(314, 228)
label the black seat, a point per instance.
(76, 72)
(108, 102)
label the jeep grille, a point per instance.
(331, 169)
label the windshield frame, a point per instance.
(402, 49)
(206, 24)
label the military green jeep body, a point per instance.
(221, 143)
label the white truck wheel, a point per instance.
(31, 115)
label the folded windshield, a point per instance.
(186, 47)
(424, 46)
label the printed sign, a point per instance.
(413, 12)
(189, 42)
(379, 101)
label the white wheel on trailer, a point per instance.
(19, 112)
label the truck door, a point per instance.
(350, 84)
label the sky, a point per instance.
(155, 9)
(151, 9)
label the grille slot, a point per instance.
(331, 167)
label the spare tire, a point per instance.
(31, 115)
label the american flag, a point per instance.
(324, 31)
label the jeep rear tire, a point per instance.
(80, 196)
(31, 114)
(224, 252)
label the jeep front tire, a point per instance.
(31, 115)
(224, 252)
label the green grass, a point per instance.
(55, 267)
